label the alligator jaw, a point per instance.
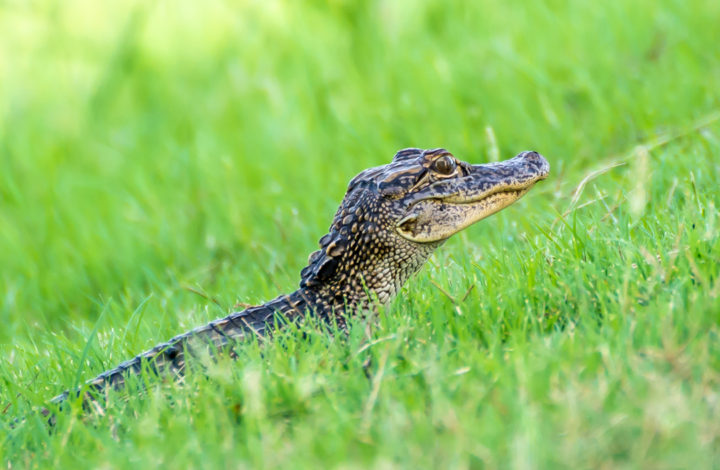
(452, 206)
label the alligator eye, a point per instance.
(444, 165)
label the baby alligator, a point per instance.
(391, 220)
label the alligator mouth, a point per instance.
(501, 193)
(516, 191)
(432, 220)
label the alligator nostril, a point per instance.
(536, 161)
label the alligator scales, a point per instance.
(391, 220)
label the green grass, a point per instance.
(154, 151)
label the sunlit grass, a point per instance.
(163, 163)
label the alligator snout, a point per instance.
(537, 161)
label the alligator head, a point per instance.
(394, 216)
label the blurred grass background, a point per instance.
(162, 162)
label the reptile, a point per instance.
(390, 221)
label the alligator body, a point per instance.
(391, 220)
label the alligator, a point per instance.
(391, 220)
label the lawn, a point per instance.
(164, 163)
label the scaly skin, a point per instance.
(391, 220)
